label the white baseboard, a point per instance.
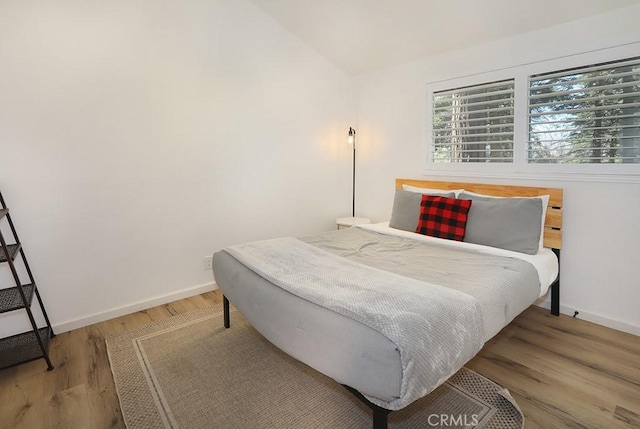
(595, 318)
(196, 290)
(59, 328)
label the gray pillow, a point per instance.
(506, 223)
(406, 209)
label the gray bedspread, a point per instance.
(438, 305)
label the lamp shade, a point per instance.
(352, 136)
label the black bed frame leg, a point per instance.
(225, 305)
(380, 415)
(555, 289)
(555, 299)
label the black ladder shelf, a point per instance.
(32, 344)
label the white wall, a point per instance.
(136, 138)
(600, 269)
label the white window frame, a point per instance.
(520, 168)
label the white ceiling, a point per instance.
(360, 36)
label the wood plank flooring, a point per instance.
(563, 372)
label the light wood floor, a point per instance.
(563, 372)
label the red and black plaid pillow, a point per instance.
(443, 217)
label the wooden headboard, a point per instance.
(553, 220)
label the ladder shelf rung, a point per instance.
(23, 347)
(13, 251)
(10, 298)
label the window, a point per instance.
(586, 115)
(474, 123)
(554, 117)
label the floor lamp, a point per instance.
(352, 142)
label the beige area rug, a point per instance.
(189, 372)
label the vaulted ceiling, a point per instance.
(360, 36)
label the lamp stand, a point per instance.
(352, 140)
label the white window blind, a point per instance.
(586, 115)
(473, 123)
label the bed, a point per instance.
(392, 314)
